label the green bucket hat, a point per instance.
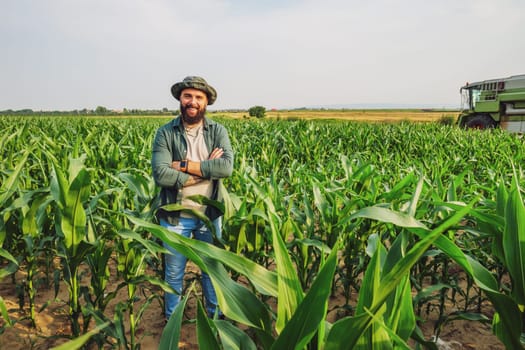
(195, 83)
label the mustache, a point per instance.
(191, 105)
(183, 108)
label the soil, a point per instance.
(53, 327)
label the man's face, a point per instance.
(193, 104)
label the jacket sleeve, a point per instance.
(221, 167)
(161, 159)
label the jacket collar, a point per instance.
(177, 123)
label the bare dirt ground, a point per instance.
(52, 325)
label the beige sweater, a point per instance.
(197, 151)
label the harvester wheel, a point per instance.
(480, 121)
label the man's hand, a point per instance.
(192, 180)
(176, 165)
(216, 153)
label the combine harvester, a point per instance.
(494, 103)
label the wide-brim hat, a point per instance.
(195, 83)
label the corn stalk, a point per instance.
(70, 195)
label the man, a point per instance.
(191, 154)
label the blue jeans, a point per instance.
(175, 265)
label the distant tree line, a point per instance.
(100, 110)
(255, 111)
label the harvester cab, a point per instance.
(494, 103)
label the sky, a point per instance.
(75, 54)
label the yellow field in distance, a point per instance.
(366, 115)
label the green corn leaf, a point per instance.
(502, 196)
(400, 187)
(5, 314)
(136, 183)
(205, 334)
(386, 215)
(59, 186)
(169, 339)
(429, 291)
(77, 343)
(311, 312)
(232, 338)
(290, 291)
(76, 165)
(196, 213)
(5, 254)
(320, 202)
(415, 197)
(514, 242)
(32, 220)
(235, 300)
(8, 187)
(263, 280)
(150, 245)
(384, 344)
(373, 335)
(74, 216)
(401, 318)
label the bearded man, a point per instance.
(191, 154)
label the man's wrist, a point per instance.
(184, 166)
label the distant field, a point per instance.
(367, 115)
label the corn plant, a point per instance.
(73, 244)
(133, 252)
(36, 238)
(7, 189)
(514, 247)
(509, 247)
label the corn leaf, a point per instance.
(232, 338)
(5, 313)
(374, 336)
(386, 215)
(514, 242)
(171, 334)
(77, 343)
(290, 291)
(205, 334)
(8, 187)
(311, 312)
(263, 280)
(236, 301)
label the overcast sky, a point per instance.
(74, 54)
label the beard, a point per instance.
(192, 120)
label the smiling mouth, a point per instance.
(192, 113)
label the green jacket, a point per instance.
(170, 144)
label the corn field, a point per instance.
(386, 213)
